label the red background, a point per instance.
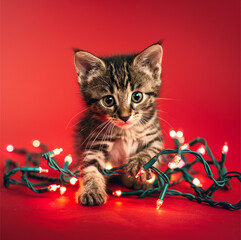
(39, 97)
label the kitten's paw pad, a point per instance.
(133, 167)
(91, 197)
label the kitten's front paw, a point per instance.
(91, 197)
(133, 166)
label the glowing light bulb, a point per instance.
(10, 148)
(53, 187)
(56, 151)
(62, 190)
(68, 159)
(172, 134)
(177, 159)
(73, 180)
(141, 171)
(179, 134)
(172, 165)
(152, 179)
(36, 143)
(225, 148)
(42, 170)
(159, 203)
(175, 162)
(185, 146)
(181, 164)
(196, 182)
(117, 193)
(108, 166)
(181, 140)
(201, 150)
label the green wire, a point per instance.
(160, 185)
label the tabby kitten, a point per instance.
(122, 124)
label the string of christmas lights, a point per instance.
(65, 179)
(177, 163)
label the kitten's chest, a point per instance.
(122, 149)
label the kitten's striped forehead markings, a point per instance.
(123, 95)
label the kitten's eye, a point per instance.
(109, 101)
(136, 97)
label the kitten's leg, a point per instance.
(137, 161)
(92, 185)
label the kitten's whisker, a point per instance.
(108, 122)
(166, 122)
(162, 111)
(74, 117)
(171, 99)
(113, 126)
(104, 137)
(82, 129)
(74, 124)
(167, 134)
(108, 136)
(92, 133)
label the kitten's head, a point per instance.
(122, 89)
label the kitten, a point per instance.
(122, 124)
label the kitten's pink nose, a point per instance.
(125, 118)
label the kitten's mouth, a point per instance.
(124, 125)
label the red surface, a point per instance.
(39, 97)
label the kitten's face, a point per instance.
(121, 89)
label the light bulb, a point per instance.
(181, 164)
(56, 151)
(53, 187)
(68, 159)
(62, 190)
(172, 165)
(225, 148)
(117, 193)
(159, 203)
(10, 148)
(181, 140)
(73, 180)
(196, 182)
(185, 146)
(42, 170)
(36, 143)
(201, 150)
(177, 159)
(175, 162)
(179, 134)
(108, 166)
(172, 134)
(141, 171)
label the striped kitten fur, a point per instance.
(122, 124)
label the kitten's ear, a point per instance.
(87, 66)
(149, 61)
